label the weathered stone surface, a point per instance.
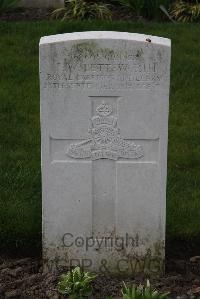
(104, 119)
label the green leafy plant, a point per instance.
(150, 9)
(131, 292)
(76, 284)
(100, 11)
(81, 9)
(186, 11)
(6, 5)
(135, 6)
(141, 292)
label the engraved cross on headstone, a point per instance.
(104, 147)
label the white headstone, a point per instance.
(104, 123)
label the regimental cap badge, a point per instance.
(104, 109)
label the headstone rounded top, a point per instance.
(112, 35)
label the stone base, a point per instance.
(110, 261)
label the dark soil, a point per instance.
(37, 14)
(28, 14)
(23, 278)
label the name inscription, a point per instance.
(83, 67)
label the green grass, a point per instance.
(20, 188)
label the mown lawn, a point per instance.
(20, 187)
